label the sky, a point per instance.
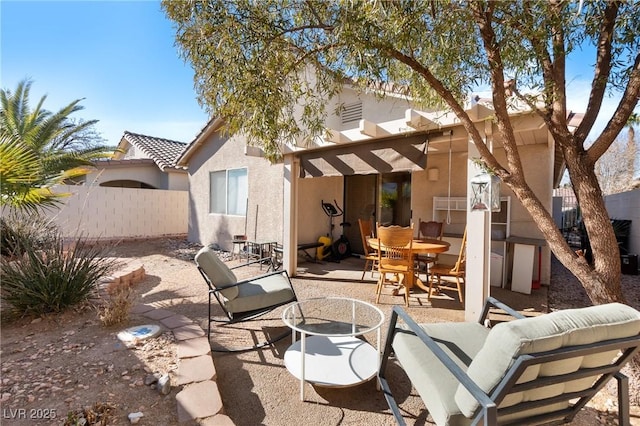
(119, 57)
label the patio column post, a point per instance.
(478, 248)
(290, 214)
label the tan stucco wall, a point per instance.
(265, 205)
(424, 190)
(375, 110)
(147, 173)
(177, 181)
(312, 221)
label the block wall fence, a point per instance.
(104, 213)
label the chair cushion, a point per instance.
(435, 384)
(261, 292)
(508, 340)
(217, 272)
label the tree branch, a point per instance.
(620, 117)
(602, 72)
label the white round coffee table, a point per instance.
(329, 352)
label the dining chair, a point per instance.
(432, 230)
(370, 255)
(395, 256)
(456, 271)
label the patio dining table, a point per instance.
(418, 246)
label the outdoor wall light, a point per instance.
(485, 193)
(433, 174)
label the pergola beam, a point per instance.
(419, 120)
(369, 128)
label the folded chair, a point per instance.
(245, 299)
(531, 370)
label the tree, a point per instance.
(250, 61)
(40, 149)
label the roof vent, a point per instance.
(351, 112)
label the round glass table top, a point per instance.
(333, 316)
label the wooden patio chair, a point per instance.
(370, 255)
(395, 256)
(245, 299)
(455, 271)
(431, 230)
(534, 370)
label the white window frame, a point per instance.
(224, 176)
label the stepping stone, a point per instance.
(194, 347)
(188, 332)
(176, 321)
(217, 420)
(141, 309)
(198, 401)
(196, 369)
(158, 314)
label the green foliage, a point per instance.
(39, 149)
(51, 278)
(269, 67)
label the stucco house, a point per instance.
(142, 161)
(384, 159)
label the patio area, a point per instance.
(258, 389)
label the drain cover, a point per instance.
(139, 332)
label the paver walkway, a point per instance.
(200, 398)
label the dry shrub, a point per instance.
(117, 307)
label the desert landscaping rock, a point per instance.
(134, 418)
(164, 385)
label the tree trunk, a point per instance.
(602, 281)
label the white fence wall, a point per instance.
(626, 205)
(120, 213)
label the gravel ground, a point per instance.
(255, 386)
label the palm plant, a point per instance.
(39, 149)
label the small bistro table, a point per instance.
(329, 352)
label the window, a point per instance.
(228, 192)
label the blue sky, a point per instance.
(117, 55)
(120, 57)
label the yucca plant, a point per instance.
(18, 230)
(51, 278)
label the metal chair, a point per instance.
(395, 256)
(246, 299)
(535, 370)
(370, 255)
